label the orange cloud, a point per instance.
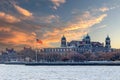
(74, 30)
(21, 38)
(8, 18)
(82, 24)
(23, 11)
(55, 36)
(17, 38)
(5, 29)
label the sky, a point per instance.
(24, 21)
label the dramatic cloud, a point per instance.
(22, 21)
(8, 18)
(23, 11)
(85, 21)
(78, 27)
(57, 3)
(55, 36)
(16, 37)
(4, 29)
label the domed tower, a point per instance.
(107, 43)
(88, 46)
(63, 42)
(87, 39)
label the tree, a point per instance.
(28, 52)
(87, 56)
(93, 57)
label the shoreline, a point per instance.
(74, 64)
(85, 63)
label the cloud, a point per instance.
(85, 21)
(55, 36)
(21, 38)
(57, 3)
(104, 9)
(48, 19)
(103, 26)
(17, 38)
(78, 27)
(99, 27)
(47, 28)
(19, 34)
(4, 29)
(8, 18)
(23, 11)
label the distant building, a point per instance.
(107, 44)
(86, 45)
(9, 55)
(63, 42)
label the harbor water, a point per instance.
(22, 72)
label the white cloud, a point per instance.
(57, 3)
(8, 18)
(23, 11)
(103, 26)
(104, 9)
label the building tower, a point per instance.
(107, 44)
(63, 42)
(87, 40)
(88, 46)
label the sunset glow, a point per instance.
(24, 21)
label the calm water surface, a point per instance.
(21, 72)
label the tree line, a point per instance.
(29, 54)
(71, 56)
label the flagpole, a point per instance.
(35, 52)
(40, 42)
(36, 55)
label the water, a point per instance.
(21, 72)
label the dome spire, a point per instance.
(107, 38)
(63, 41)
